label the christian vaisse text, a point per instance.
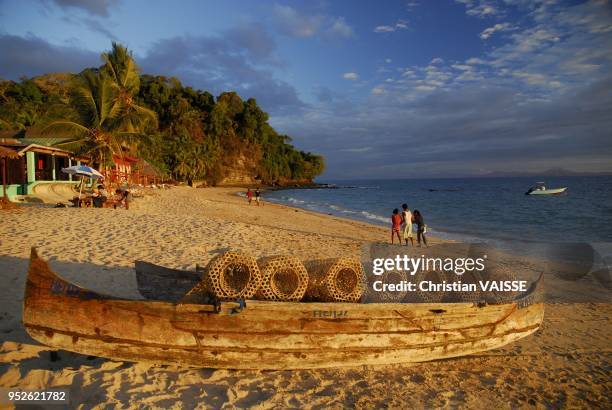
(458, 286)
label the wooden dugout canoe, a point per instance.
(264, 335)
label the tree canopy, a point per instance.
(187, 133)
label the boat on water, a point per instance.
(540, 189)
(263, 334)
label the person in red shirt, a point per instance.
(396, 222)
(249, 195)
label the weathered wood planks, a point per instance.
(265, 335)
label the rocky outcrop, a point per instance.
(242, 171)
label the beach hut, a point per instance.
(5, 155)
(37, 162)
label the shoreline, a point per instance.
(339, 218)
(179, 227)
(438, 235)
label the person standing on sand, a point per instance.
(249, 195)
(396, 221)
(257, 195)
(421, 227)
(407, 225)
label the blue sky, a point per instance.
(382, 89)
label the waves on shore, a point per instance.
(331, 209)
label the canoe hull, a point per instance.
(265, 335)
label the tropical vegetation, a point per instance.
(190, 135)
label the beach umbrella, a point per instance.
(83, 171)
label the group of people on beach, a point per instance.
(403, 223)
(100, 197)
(250, 194)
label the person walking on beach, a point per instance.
(257, 196)
(421, 227)
(407, 225)
(249, 195)
(396, 222)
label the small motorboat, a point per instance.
(540, 189)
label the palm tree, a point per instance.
(106, 118)
(98, 128)
(122, 69)
(120, 66)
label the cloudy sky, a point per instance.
(382, 89)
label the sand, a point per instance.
(566, 364)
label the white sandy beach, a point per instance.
(566, 363)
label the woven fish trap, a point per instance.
(283, 278)
(230, 275)
(431, 295)
(335, 280)
(386, 296)
(470, 278)
(499, 274)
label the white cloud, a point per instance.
(425, 88)
(469, 75)
(400, 25)
(462, 67)
(474, 61)
(525, 43)
(537, 79)
(549, 77)
(350, 76)
(341, 28)
(594, 16)
(480, 8)
(388, 60)
(536, 38)
(436, 60)
(488, 32)
(378, 90)
(291, 22)
(384, 29)
(295, 24)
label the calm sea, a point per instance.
(473, 209)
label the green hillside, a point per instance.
(188, 134)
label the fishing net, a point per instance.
(335, 280)
(230, 275)
(284, 278)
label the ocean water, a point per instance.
(473, 209)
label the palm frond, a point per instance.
(73, 129)
(121, 67)
(83, 100)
